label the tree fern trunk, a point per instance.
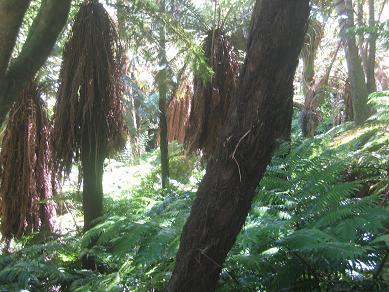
(162, 88)
(260, 112)
(92, 163)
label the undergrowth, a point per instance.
(319, 222)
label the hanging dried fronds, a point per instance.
(89, 108)
(178, 112)
(211, 100)
(342, 104)
(25, 170)
(313, 86)
(312, 39)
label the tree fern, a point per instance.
(308, 215)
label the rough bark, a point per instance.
(41, 38)
(11, 18)
(162, 88)
(356, 74)
(260, 112)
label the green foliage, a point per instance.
(143, 18)
(315, 225)
(320, 222)
(380, 30)
(182, 166)
(39, 267)
(140, 245)
(380, 101)
(135, 247)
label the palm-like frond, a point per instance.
(88, 112)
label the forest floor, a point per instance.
(119, 177)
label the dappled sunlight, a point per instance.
(194, 145)
(119, 176)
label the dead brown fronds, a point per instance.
(25, 170)
(212, 100)
(89, 109)
(178, 112)
(312, 39)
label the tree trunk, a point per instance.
(134, 127)
(361, 109)
(261, 110)
(92, 164)
(370, 66)
(162, 88)
(310, 115)
(41, 38)
(134, 133)
(11, 18)
(361, 37)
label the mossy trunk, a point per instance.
(260, 112)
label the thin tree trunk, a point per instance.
(361, 109)
(261, 110)
(310, 115)
(92, 164)
(41, 38)
(11, 18)
(370, 66)
(162, 78)
(132, 122)
(134, 127)
(361, 40)
(134, 139)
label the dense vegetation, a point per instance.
(309, 227)
(157, 110)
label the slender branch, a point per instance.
(382, 10)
